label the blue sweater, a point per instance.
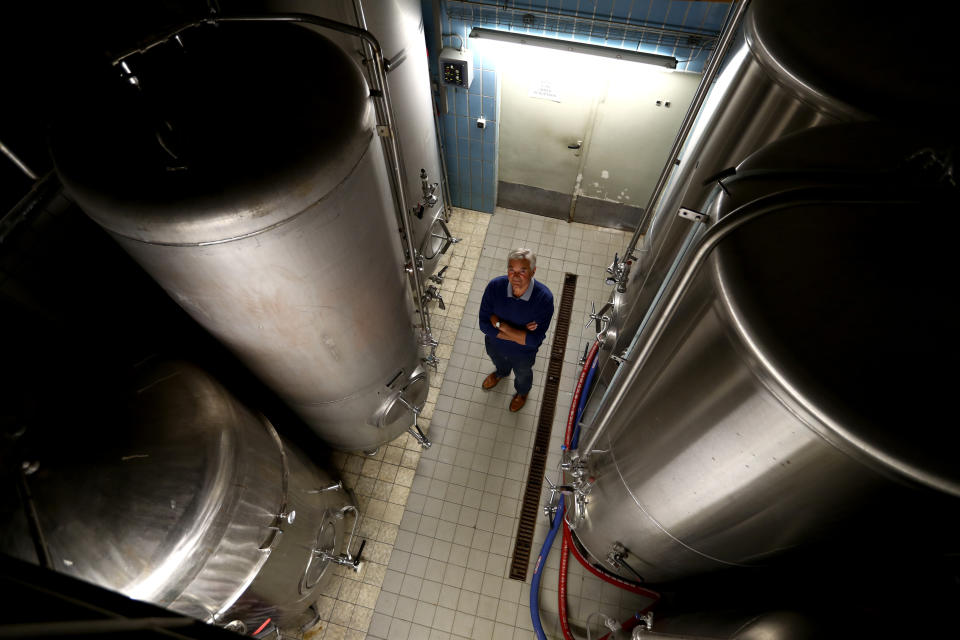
(498, 300)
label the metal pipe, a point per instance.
(380, 92)
(33, 520)
(713, 68)
(604, 21)
(447, 202)
(17, 161)
(728, 224)
(43, 191)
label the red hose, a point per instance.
(567, 544)
(571, 419)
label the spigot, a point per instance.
(613, 270)
(432, 293)
(618, 270)
(429, 199)
(600, 317)
(439, 275)
(343, 559)
(553, 503)
(617, 558)
(418, 433)
(583, 359)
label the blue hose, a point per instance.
(557, 518)
(541, 561)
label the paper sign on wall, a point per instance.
(545, 89)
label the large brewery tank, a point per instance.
(776, 79)
(783, 387)
(248, 180)
(190, 501)
(398, 26)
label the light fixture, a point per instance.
(576, 47)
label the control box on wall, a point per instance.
(456, 67)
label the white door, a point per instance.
(585, 138)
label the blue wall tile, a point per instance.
(461, 102)
(622, 8)
(476, 87)
(487, 201)
(466, 145)
(489, 173)
(489, 151)
(449, 127)
(476, 175)
(463, 127)
(476, 138)
(604, 8)
(657, 13)
(476, 144)
(489, 83)
(476, 106)
(490, 108)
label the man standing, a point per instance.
(515, 313)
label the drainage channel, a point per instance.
(538, 458)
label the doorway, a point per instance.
(582, 138)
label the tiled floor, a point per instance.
(440, 525)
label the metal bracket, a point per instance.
(691, 214)
(383, 131)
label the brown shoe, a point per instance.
(491, 381)
(517, 403)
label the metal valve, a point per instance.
(439, 275)
(644, 624)
(429, 199)
(613, 270)
(432, 293)
(618, 270)
(617, 558)
(600, 317)
(344, 559)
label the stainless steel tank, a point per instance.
(754, 100)
(785, 388)
(398, 26)
(191, 502)
(242, 170)
(772, 408)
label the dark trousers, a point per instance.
(521, 365)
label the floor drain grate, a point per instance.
(538, 459)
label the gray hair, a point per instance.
(523, 254)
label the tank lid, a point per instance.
(898, 67)
(839, 294)
(243, 127)
(142, 507)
